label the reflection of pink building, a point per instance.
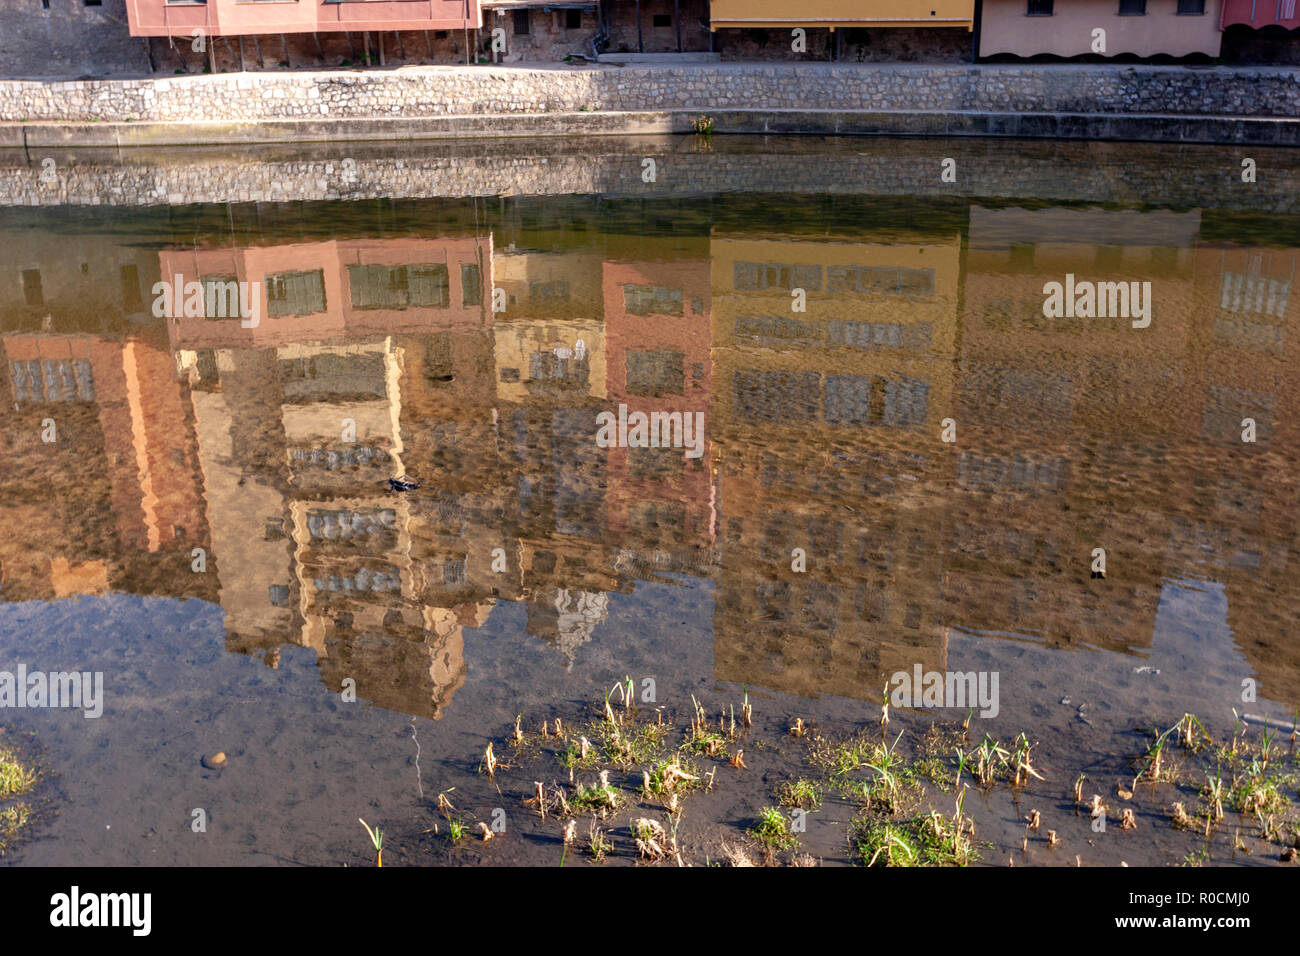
(143, 416)
(242, 17)
(658, 339)
(323, 290)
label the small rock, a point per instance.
(216, 761)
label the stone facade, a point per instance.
(451, 91)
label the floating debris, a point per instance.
(404, 484)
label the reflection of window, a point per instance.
(556, 290)
(868, 335)
(655, 372)
(453, 573)
(1243, 292)
(868, 400)
(65, 380)
(1225, 407)
(220, 297)
(754, 276)
(471, 285)
(547, 366)
(778, 329)
(33, 294)
(131, 298)
(399, 287)
(879, 280)
(762, 396)
(997, 313)
(295, 293)
(652, 300)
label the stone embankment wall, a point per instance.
(449, 91)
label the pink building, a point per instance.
(1261, 13)
(250, 17)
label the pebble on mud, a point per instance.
(216, 761)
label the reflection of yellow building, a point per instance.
(826, 428)
(1057, 418)
(1238, 521)
(551, 336)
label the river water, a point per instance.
(895, 462)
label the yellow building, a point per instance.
(836, 14)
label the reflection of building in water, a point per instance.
(112, 501)
(551, 337)
(1058, 417)
(550, 379)
(1237, 517)
(302, 420)
(826, 423)
(658, 323)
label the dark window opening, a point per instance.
(523, 26)
(1132, 8)
(663, 20)
(573, 19)
(1039, 8)
(1193, 8)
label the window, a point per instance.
(573, 19)
(663, 20)
(1191, 8)
(94, 3)
(1132, 8)
(522, 25)
(1039, 8)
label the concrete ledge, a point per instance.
(1158, 128)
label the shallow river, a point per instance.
(885, 454)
